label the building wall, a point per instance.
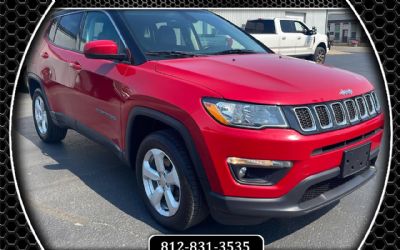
(317, 18)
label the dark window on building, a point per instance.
(288, 26)
(260, 27)
(67, 30)
(337, 31)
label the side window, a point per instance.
(269, 27)
(300, 28)
(52, 29)
(287, 26)
(67, 30)
(99, 27)
(260, 27)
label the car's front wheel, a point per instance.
(167, 181)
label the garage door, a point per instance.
(296, 15)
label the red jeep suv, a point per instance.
(212, 120)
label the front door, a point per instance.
(97, 83)
(288, 38)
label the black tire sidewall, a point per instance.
(180, 219)
(316, 53)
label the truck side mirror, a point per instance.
(314, 30)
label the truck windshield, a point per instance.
(163, 34)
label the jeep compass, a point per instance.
(212, 121)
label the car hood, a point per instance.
(266, 78)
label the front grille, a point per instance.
(323, 116)
(305, 118)
(315, 118)
(338, 113)
(351, 110)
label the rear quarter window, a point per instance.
(67, 31)
(260, 27)
(52, 29)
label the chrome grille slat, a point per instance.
(370, 104)
(338, 113)
(323, 116)
(305, 118)
(351, 110)
(362, 109)
(375, 99)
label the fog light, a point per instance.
(259, 163)
(242, 172)
(258, 172)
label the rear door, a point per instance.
(265, 32)
(61, 51)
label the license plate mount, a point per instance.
(355, 160)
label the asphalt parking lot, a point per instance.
(79, 195)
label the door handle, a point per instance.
(284, 38)
(75, 65)
(45, 55)
(298, 38)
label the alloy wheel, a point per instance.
(161, 182)
(41, 115)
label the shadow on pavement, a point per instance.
(105, 174)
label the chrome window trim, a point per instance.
(330, 125)
(314, 127)
(365, 107)
(344, 114)
(355, 110)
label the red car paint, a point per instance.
(77, 86)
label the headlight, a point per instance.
(246, 115)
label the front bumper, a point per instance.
(310, 154)
(309, 195)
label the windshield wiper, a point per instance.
(235, 51)
(170, 53)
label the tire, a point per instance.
(319, 55)
(50, 133)
(192, 208)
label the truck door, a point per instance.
(288, 37)
(304, 39)
(265, 32)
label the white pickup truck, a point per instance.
(289, 37)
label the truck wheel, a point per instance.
(319, 55)
(167, 182)
(45, 127)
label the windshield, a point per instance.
(162, 34)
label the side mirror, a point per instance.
(103, 49)
(314, 30)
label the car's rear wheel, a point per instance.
(167, 182)
(45, 127)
